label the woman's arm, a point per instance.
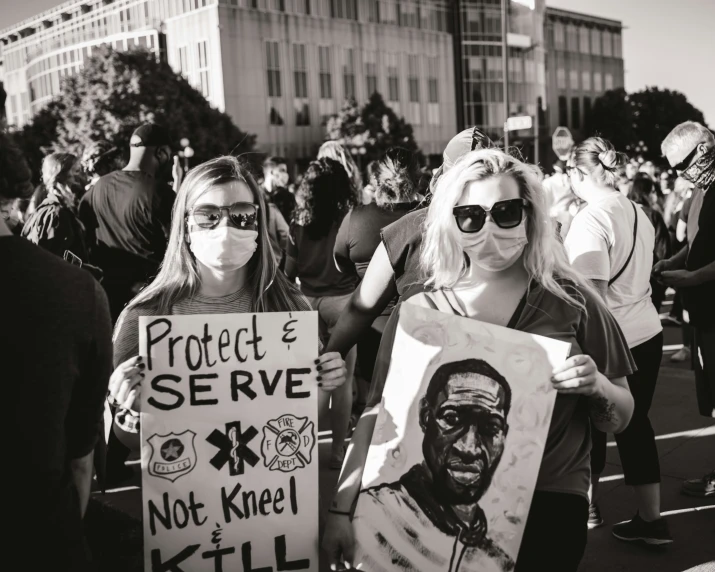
(372, 296)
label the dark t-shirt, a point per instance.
(284, 201)
(359, 234)
(56, 348)
(128, 211)
(311, 260)
(403, 241)
(700, 300)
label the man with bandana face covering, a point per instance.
(431, 519)
(690, 150)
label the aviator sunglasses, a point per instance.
(242, 215)
(505, 214)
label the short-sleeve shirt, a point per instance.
(598, 244)
(359, 234)
(700, 300)
(566, 463)
(403, 241)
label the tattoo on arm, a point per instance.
(602, 411)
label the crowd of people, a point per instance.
(583, 256)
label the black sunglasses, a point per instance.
(505, 214)
(242, 215)
(685, 163)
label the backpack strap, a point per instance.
(633, 249)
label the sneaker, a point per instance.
(683, 354)
(653, 533)
(704, 487)
(594, 516)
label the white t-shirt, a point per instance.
(598, 244)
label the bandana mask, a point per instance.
(702, 172)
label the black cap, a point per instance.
(150, 135)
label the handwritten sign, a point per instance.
(457, 445)
(229, 442)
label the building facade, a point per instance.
(279, 68)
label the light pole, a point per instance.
(186, 153)
(505, 67)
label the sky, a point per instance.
(665, 43)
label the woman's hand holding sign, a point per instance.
(578, 374)
(332, 372)
(125, 384)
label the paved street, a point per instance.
(686, 443)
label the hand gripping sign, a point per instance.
(229, 469)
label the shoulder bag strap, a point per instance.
(633, 249)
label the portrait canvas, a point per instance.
(457, 446)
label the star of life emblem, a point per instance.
(288, 443)
(172, 455)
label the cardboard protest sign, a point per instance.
(229, 442)
(457, 445)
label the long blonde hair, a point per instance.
(178, 277)
(442, 256)
(337, 152)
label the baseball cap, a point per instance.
(470, 139)
(150, 135)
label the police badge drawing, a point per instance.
(229, 442)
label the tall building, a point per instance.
(279, 68)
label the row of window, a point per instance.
(576, 121)
(600, 82)
(198, 74)
(349, 69)
(586, 40)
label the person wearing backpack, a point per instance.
(611, 242)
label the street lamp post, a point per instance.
(186, 153)
(505, 67)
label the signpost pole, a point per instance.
(505, 67)
(536, 132)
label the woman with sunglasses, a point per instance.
(490, 253)
(611, 242)
(218, 261)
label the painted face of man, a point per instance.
(465, 429)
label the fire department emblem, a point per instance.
(172, 455)
(288, 443)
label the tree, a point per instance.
(374, 127)
(640, 120)
(36, 139)
(117, 91)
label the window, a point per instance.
(274, 69)
(607, 44)
(432, 85)
(393, 78)
(413, 80)
(571, 38)
(300, 71)
(608, 78)
(344, 9)
(559, 41)
(348, 73)
(325, 75)
(373, 11)
(575, 113)
(561, 78)
(371, 72)
(573, 80)
(583, 40)
(407, 15)
(597, 85)
(586, 110)
(617, 47)
(203, 67)
(586, 80)
(596, 42)
(183, 61)
(563, 111)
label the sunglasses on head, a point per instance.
(505, 214)
(242, 215)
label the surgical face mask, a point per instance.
(224, 248)
(493, 248)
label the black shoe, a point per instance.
(594, 516)
(654, 533)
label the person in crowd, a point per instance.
(648, 169)
(690, 150)
(642, 192)
(337, 152)
(631, 169)
(611, 242)
(490, 252)
(57, 334)
(323, 199)
(564, 204)
(393, 180)
(127, 213)
(394, 269)
(218, 261)
(97, 160)
(276, 185)
(54, 225)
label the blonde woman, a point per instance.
(337, 152)
(218, 261)
(490, 253)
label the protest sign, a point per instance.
(457, 445)
(229, 442)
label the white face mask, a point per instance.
(493, 248)
(224, 248)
